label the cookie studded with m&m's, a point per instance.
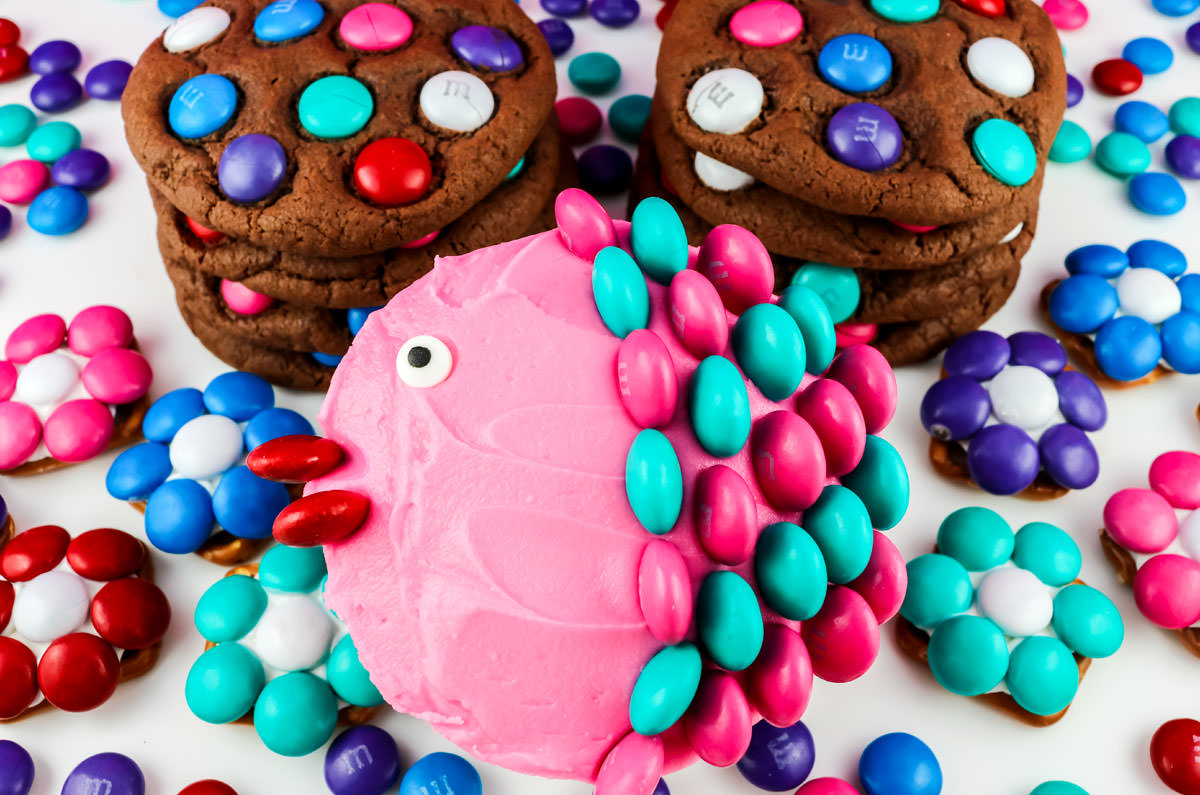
(69, 392)
(1002, 616)
(188, 477)
(276, 658)
(1128, 317)
(1151, 537)
(1009, 416)
(78, 616)
(337, 128)
(847, 106)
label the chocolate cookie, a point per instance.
(793, 227)
(925, 113)
(341, 131)
(513, 209)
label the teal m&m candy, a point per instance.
(16, 123)
(295, 714)
(968, 655)
(1048, 552)
(1184, 116)
(619, 289)
(838, 287)
(594, 72)
(815, 324)
(1058, 788)
(654, 481)
(335, 107)
(790, 571)
(1005, 151)
(658, 239)
(1122, 154)
(939, 588)
(1042, 675)
(292, 569)
(769, 347)
(627, 117)
(838, 522)
(881, 481)
(230, 608)
(664, 689)
(1071, 144)
(719, 407)
(978, 538)
(52, 140)
(728, 620)
(1087, 621)
(905, 10)
(348, 678)
(223, 683)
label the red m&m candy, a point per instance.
(209, 786)
(18, 672)
(9, 32)
(78, 672)
(204, 234)
(1175, 754)
(392, 171)
(988, 8)
(33, 552)
(105, 554)
(131, 613)
(8, 595)
(13, 61)
(1117, 77)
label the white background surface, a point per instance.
(1102, 744)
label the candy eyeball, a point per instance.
(424, 361)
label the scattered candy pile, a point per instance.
(101, 774)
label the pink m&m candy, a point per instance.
(424, 240)
(646, 379)
(243, 300)
(725, 515)
(718, 723)
(78, 430)
(37, 335)
(865, 372)
(766, 23)
(916, 229)
(738, 265)
(1167, 591)
(99, 328)
(633, 765)
(374, 27)
(1176, 476)
(117, 376)
(583, 224)
(21, 180)
(884, 581)
(779, 682)
(665, 592)
(788, 460)
(827, 786)
(1140, 520)
(8, 379)
(854, 333)
(20, 434)
(843, 638)
(831, 410)
(1066, 14)
(697, 314)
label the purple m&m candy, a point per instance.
(1193, 37)
(1037, 350)
(251, 167)
(605, 169)
(487, 48)
(55, 93)
(955, 407)
(865, 136)
(85, 169)
(111, 774)
(1003, 459)
(107, 80)
(564, 8)
(362, 761)
(1074, 91)
(54, 57)
(16, 765)
(1069, 457)
(1080, 401)
(5, 223)
(662, 788)
(1183, 155)
(558, 35)
(978, 355)
(778, 759)
(614, 13)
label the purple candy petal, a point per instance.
(979, 355)
(1069, 457)
(1003, 459)
(1038, 350)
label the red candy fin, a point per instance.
(294, 459)
(321, 518)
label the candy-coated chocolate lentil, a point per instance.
(770, 349)
(658, 239)
(790, 571)
(335, 107)
(1183, 156)
(605, 169)
(1005, 151)
(272, 423)
(246, 505)
(5, 221)
(16, 123)
(57, 211)
(362, 760)
(855, 62)
(1000, 66)
(619, 289)
(725, 100)
(834, 415)
(119, 773)
(843, 637)
(78, 672)
(19, 668)
(175, 8)
(202, 105)
(881, 481)
(1071, 144)
(1074, 91)
(664, 592)
(1142, 120)
(195, 28)
(558, 34)
(171, 412)
(788, 460)
(968, 655)
(863, 370)
(579, 119)
(1087, 621)
(1048, 552)
(1098, 259)
(779, 758)
(52, 140)
(1152, 56)
(1043, 676)
(82, 169)
(905, 10)
(1184, 116)
(1058, 788)
(697, 314)
(865, 136)
(728, 620)
(375, 27)
(107, 80)
(1175, 8)
(16, 768)
(839, 524)
(251, 167)
(392, 171)
(441, 770)
(815, 323)
(978, 538)
(295, 714)
(347, 676)
(488, 48)
(230, 608)
(10, 32)
(1175, 754)
(955, 407)
(766, 23)
(130, 613)
(664, 689)
(1116, 77)
(1015, 600)
(33, 552)
(288, 19)
(939, 587)
(594, 72)
(614, 13)
(564, 8)
(899, 764)
(105, 554)
(654, 482)
(627, 116)
(1122, 154)
(54, 57)
(1128, 348)
(1193, 37)
(838, 287)
(22, 180)
(223, 683)
(209, 786)
(179, 516)
(1003, 459)
(13, 62)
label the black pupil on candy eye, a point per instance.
(419, 356)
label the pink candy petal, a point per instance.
(867, 374)
(848, 334)
(827, 786)
(726, 517)
(117, 376)
(1167, 591)
(697, 315)
(37, 335)
(789, 462)
(78, 430)
(830, 408)
(632, 767)
(423, 241)
(738, 265)
(373, 27)
(8, 379)
(718, 723)
(885, 580)
(843, 638)
(1176, 476)
(779, 683)
(583, 224)
(1140, 520)
(22, 180)
(99, 328)
(20, 434)
(646, 379)
(665, 592)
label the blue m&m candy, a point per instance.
(1081, 304)
(1098, 259)
(614, 13)
(288, 19)
(564, 8)
(1141, 119)
(363, 760)
(251, 167)
(1158, 255)
(855, 62)
(138, 471)
(246, 505)
(57, 211)
(238, 396)
(1151, 55)
(56, 93)
(1156, 193)
(441, 772)
(899, 764)
(778, 759)
(177, 8)
(1128, 348)
(179, 516)
(327, 359)
(1175, 8)
(171, 412)
(272, 423)
(202, 105)
(1181, 341)
(355, 318)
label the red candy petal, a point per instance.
(294, 459)
(18, 673)
(78, 672)
(321, 518)
(392, 171)
(1117, 77)
(33, 552)
(1176, 476)
(866, 373)
(131, 613)
(8, 595)
(105, 554)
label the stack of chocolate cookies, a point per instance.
(903, 141)
(309, 160)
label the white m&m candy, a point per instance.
(1023, 396)
(46, 379)
(720, 176)
(50, 605)
(293, 634)
(1149, 294)
(1016, 600)
(196, 27)
(725, 101)
(206, 446)
(1001, 66)
(1013, 233)
(457, 101)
